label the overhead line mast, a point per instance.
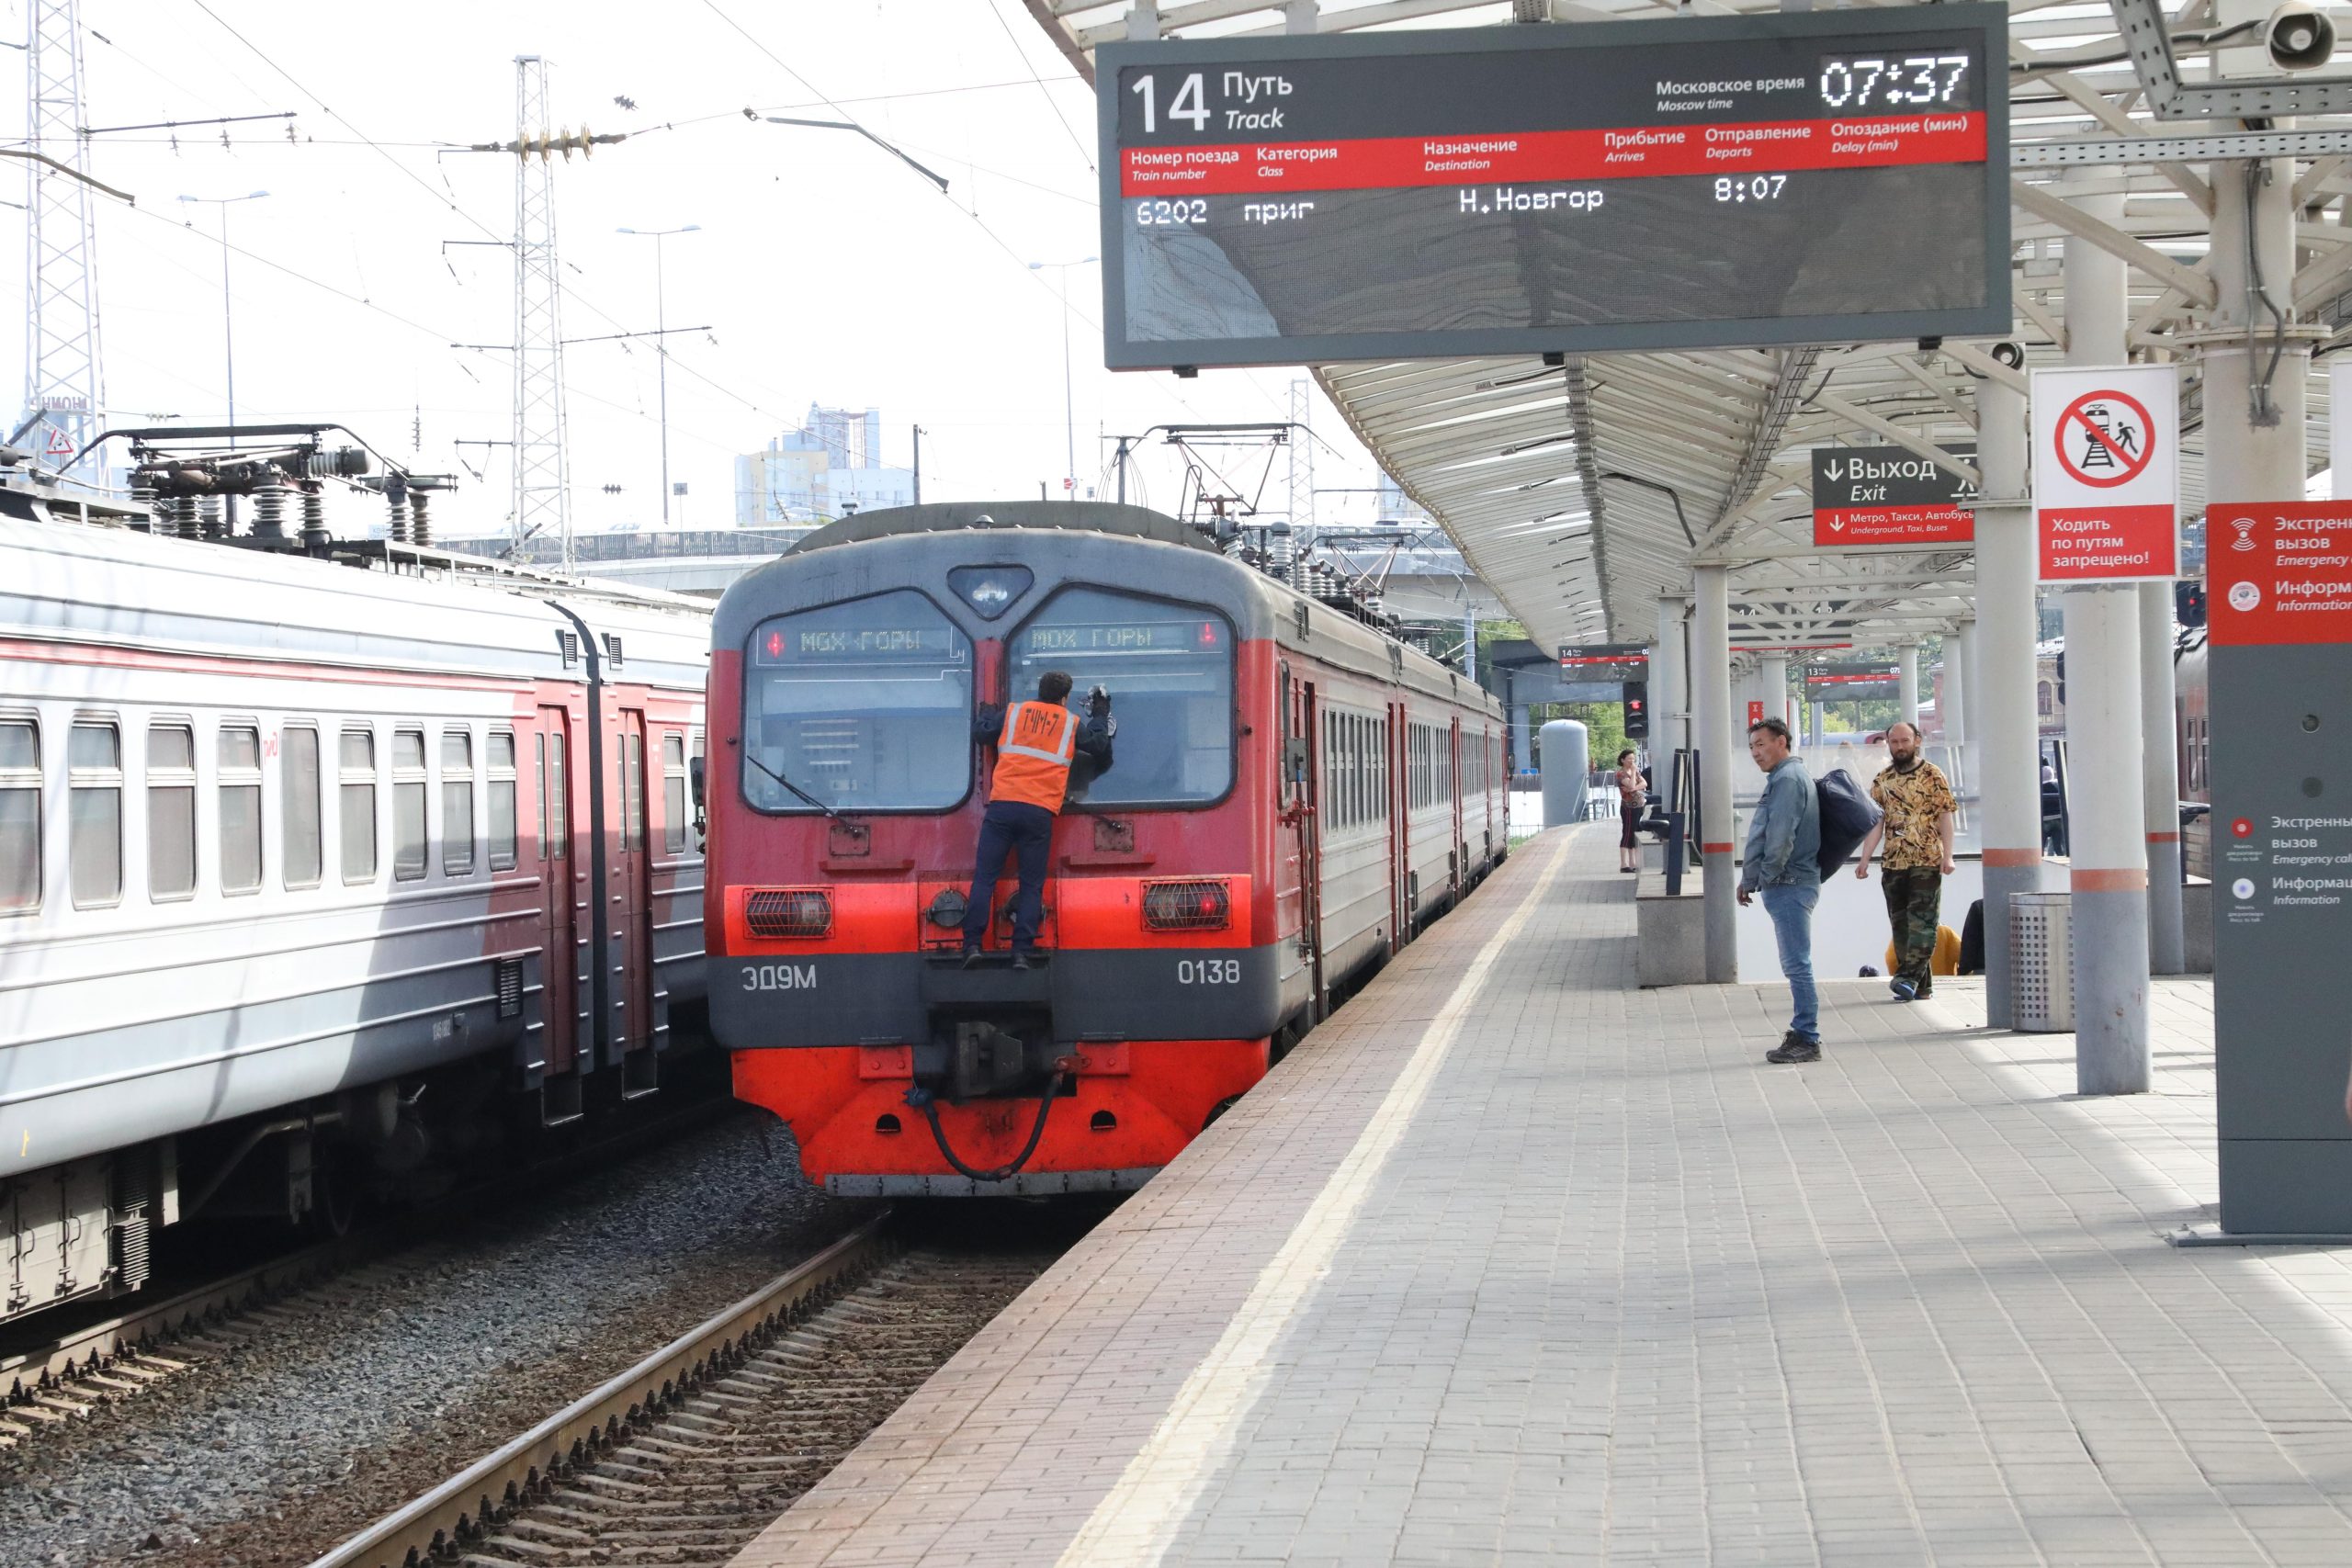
(64, 393)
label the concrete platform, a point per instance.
(1513, 1263)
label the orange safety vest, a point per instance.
(1033, 754)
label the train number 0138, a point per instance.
(1208, 971)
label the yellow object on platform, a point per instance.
(1947, 955)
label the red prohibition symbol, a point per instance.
(2117, 453)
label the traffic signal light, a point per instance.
(1637, 710)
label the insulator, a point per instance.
(269, 512)
(399, 512)
(314, 518)
(207, 511)
(420, 526)
(143, 498)
(184, 516)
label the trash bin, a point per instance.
(2041, 949)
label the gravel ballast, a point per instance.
(316, 1414)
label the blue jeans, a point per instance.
(1790, 906)
(1025, 832)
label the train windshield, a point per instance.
(1168, 669)
(867, 706)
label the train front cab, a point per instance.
(1169, 961)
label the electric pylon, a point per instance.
(65, 394)
(542, 492)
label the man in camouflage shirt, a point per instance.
(1917, 804)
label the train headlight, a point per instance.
(1192, 905)
(990, 590)
(947, 909)
(775, 913)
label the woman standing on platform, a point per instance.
(1631, 798)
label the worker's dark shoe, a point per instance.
(1794, 1047)
(1020, 958)
(971, 957)
(1904, 989)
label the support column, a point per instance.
(1951, 707)
(1669, 703)
(1773, 673)
(1906, 684)
(2107, 804)
(1711, 727)
(2167, 940)
(1813, 725)
(2010, 790)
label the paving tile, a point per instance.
(1586, 1282)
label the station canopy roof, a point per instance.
(1583, 491)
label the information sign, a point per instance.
(1851, 682)
(2278, 572)
(1598, 660)
(1888, 495)
(1693, 182)
(2106, 473)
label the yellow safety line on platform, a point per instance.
(1137, 1523)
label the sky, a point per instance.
(825, 270)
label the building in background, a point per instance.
(830, 467)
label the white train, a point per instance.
(308, 873)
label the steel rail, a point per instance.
(463, 1506)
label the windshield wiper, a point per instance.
(787, 783)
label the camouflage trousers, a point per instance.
(1914, 902)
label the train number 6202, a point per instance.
(1208, 971)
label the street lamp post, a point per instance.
(661, 343)
(1069, 418)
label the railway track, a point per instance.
(687, 1455)
(49, 1380)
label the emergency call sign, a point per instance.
(2106, 473)
(2278, 572)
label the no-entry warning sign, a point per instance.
(2278, 572)
(2106, 473)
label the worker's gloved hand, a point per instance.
(1097, 702)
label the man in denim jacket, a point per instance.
(1783, 861)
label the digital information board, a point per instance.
(1830, 176)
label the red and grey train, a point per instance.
(1294, 794)
(309, 875)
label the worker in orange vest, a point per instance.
(1036, 742)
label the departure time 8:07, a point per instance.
(1917, 80)
(1750, 188)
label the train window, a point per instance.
(94, 808)
(408, 804)
(239, 798)
(1168, 669)
(674, 795)
(558, 799)
(356, 803)
(504, 832)
(171, 812)
(457, 803)
(866, 707)
(19, 816)
(297, 786)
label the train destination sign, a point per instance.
(1886, 495)
(1801, 177)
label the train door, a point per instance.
(1308, 739)
(559, 887)
(1398, 776)
(630, 902)
(1458, 858)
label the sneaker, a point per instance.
(1020, 958)
(971, 957)
(1794, 1047)
(1904, 989)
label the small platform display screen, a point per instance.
(1807, 177)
